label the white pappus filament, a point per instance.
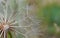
(7, 24)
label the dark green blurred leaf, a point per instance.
(52, 15)
(9, 34)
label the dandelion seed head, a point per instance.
(6, 27)
(26, 22)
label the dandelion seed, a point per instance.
(4, 34)
(8, 24)
(1, 33)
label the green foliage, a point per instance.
(52, 15)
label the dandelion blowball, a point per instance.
(6, 27)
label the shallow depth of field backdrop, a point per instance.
(42, 17)
(48, 12)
